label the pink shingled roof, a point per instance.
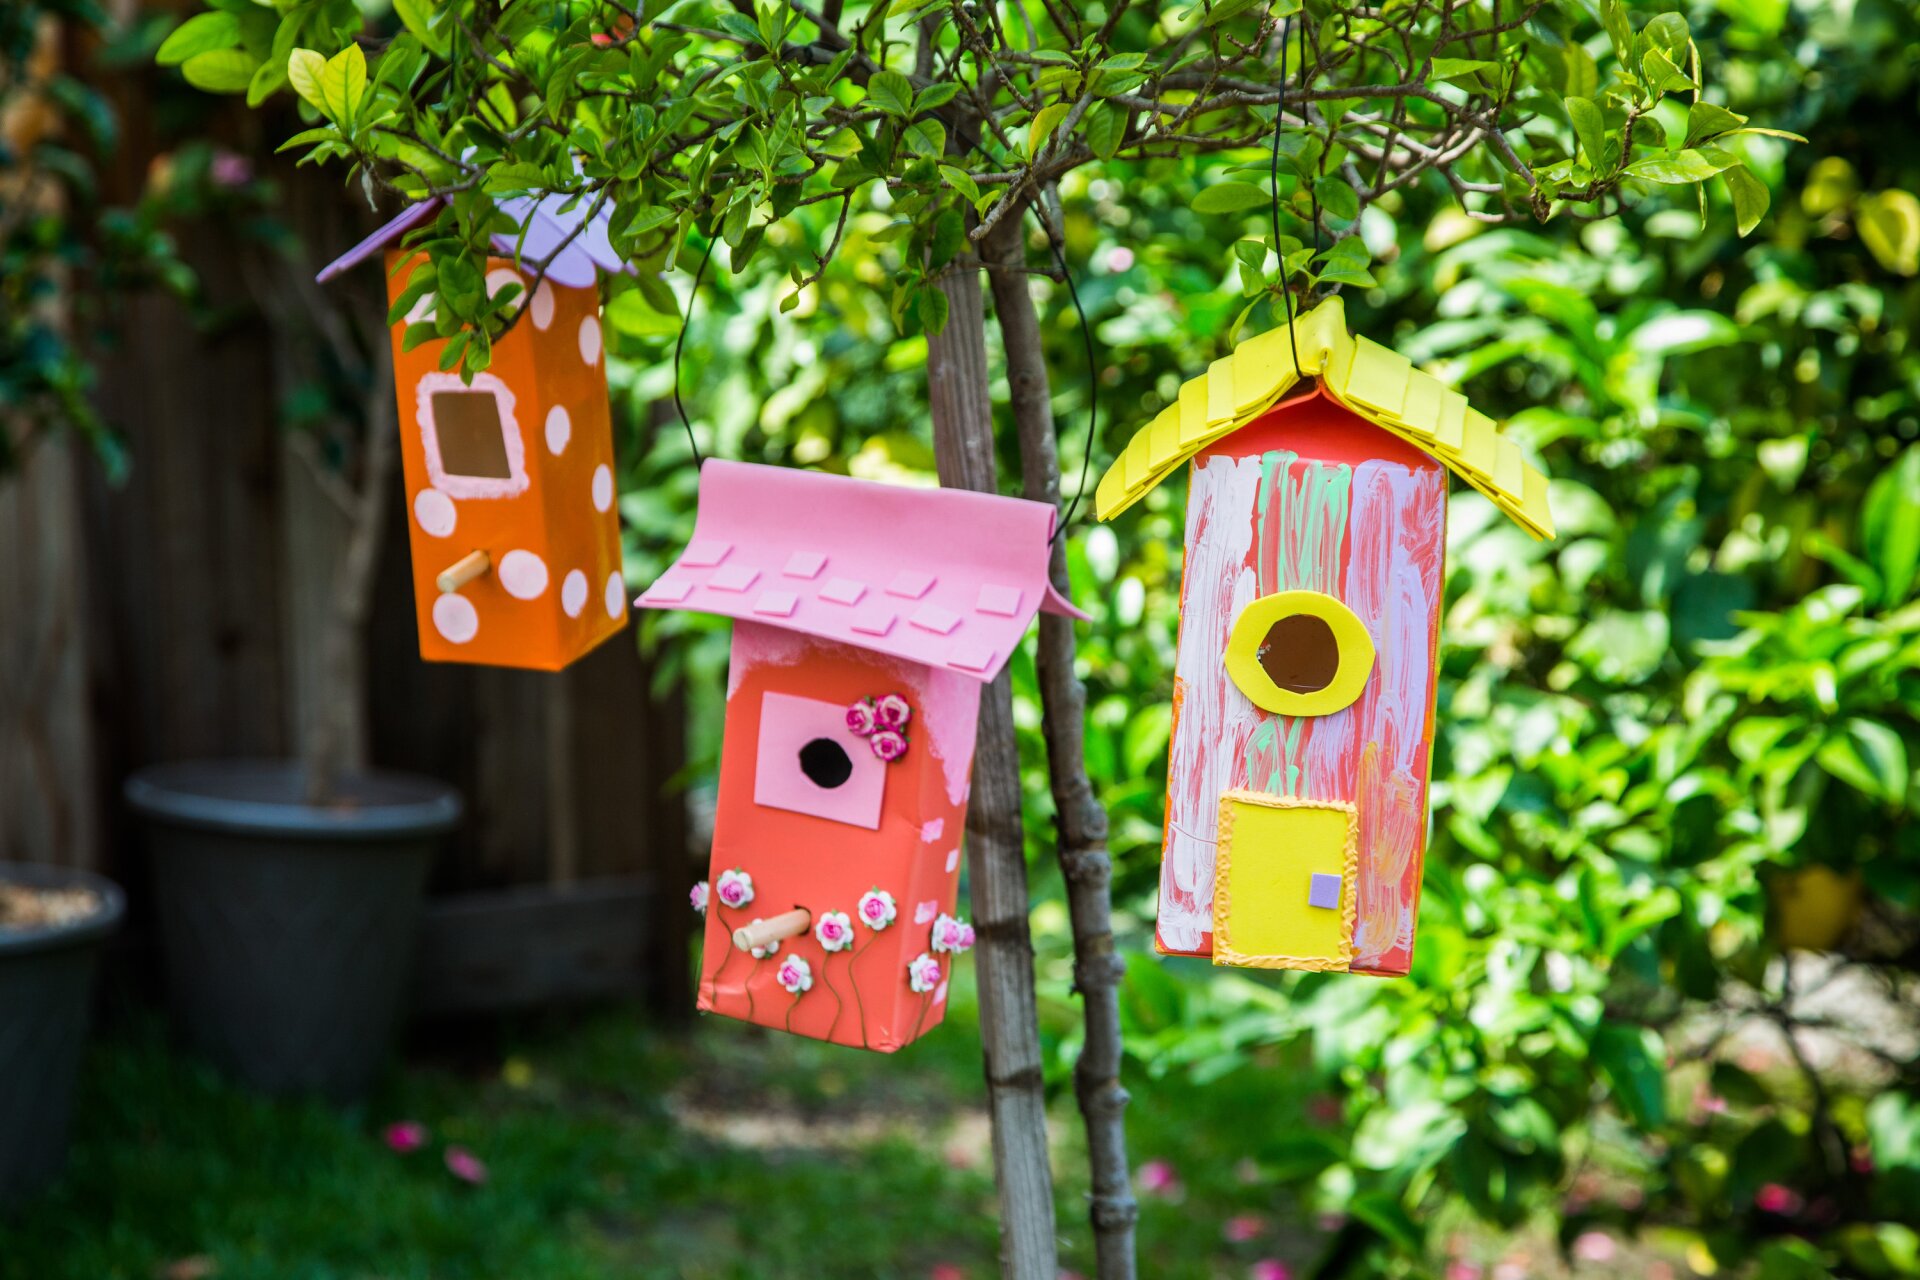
(944, 577)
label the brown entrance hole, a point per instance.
(473, 441)
(1299, 653)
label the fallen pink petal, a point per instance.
(466, 1166)
(1157, 1178)
(1244, 1227)
(406, 1136)
(1269, 1269)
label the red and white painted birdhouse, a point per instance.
(509, 474)
(1304, 686)
(866, 618)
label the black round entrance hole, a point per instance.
(825, 763)
(1300, 653)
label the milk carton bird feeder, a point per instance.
(1304, 686)
(515, 541)
(866, 618)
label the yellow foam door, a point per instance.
(1284, 892)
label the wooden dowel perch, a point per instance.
(787, 924)
(462, 571)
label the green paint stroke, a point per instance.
(1308, 513)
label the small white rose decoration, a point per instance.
(876, 909)
(795, 974)
(735, 888)
(699, 897)
(923, 975)
(833, 930)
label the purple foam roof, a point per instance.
(546, 223)
(944, 577)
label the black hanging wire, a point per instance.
(685, 322)
(1093, 367)
(1279, 118)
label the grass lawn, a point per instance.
(611, 1150)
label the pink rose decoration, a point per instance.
(893, 712)
(406, 1137)
(862, 718)
(923, 975)
(795, 974)
(735, 888)
(955, 937)
(466, 1166)
(833, 930)
(699, 897)
(876, 909)
(888, 744)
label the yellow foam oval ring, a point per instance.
(1349, 635)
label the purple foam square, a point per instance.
(968, 656)
(805, 564)
(910, 584)
(704, 553)
(733, 577)
(667, 591)
(931, 617)
(842, 591)
(776, 604)
(1003, 602)
(876, 621)
(1323, 890)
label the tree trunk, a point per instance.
(338, 741)
(1080, 824)
(996, 859)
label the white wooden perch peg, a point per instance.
(462, 571)
(787, 924)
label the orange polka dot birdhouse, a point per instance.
(866, 617)
(510, 489)
(1305, 677)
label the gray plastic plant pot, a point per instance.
(46, 989)
(288, 929)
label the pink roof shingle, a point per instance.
(944, 577)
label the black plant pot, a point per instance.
(46, 986)
(288, 929)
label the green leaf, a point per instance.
(1590, 127)
(892, 93)
(1662, 76)
(1459, 68)
(1750, 197)
(1224, 9)
(927, 138)
(1889, 224)
(740, 27)
(1043, 125)
(1680, 168)
(1106, 128)
(1869, 757)
(1629, 1059)
(1890, 526)
(932, 306)
(267, 80)
(1613, 15)
(1230, 197)
(1336, 197)
(221, 70)
(935, 96)
(962, 181)
(202, 33)
(344, 83)
(1705, 121)
(305, 68)
(418, 15)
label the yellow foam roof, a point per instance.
(1379, 385)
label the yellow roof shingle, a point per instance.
(1379, 385)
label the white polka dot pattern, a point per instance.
(573, 593)
(559, 429)
(523, 575)
(543, 305)
(602, 487)
(616, 595)
(435, 512)
(455, 618)
(590, 340)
